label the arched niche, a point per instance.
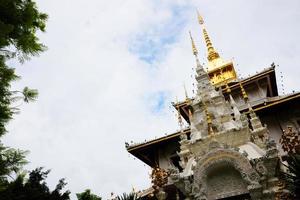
(217, 174)
(223, 180)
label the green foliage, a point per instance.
(87, 195)
(19, 22)
(130, 196)
(35, 188)
(11, 161)
(7, 75)
(292, 176)
(29, 95)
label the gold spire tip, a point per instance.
(200, 19)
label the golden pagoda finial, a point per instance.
(200, 19)
(212, 53)
(219, 70)
(195, 51)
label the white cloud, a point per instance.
(94, 87)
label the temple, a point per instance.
(230, 148)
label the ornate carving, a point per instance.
(261, 169)
(214, 145)
(225, 157)
(290, 140)
(159, 178)
(161, 195)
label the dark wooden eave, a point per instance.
(147, 151)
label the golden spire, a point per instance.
(220, 71)
(200, 19)
(195, 51)
(212, 53)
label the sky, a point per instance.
(113, 68)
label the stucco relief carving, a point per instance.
(182, 183)
(225, 157)
(261, 169)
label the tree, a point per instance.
(20, 20)
(35, 188)
(87, 195)
(292, 176)
(11, 161)
(130, 196)
(290, 142)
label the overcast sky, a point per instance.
(113, 67)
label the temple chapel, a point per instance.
(231, 148)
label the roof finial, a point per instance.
(212, 53)
(219, 70)
(195, 51)
(200, 19)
